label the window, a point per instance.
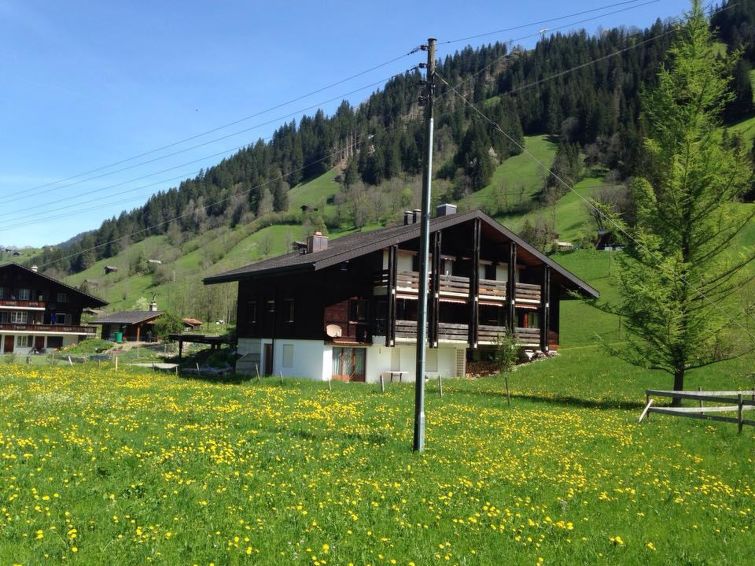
(358, 310)
(271, 306)
(252, 312)
(289, 309)
(24, 294)
(61, 318)
(54, 341)
(62, 298)
(24, 341)
(2, 292)
(288, 356)
(19, 317)
(4, 317)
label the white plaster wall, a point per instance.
(309, 359)
(404, 261)
(249, 346)
(381, 359)
(68, 340)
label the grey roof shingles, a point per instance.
(127, 317)
(356, 245)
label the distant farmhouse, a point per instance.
(131, 326)
(38, 313)
(347, 308)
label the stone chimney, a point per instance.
(416, 215)
(153, 306)
(408, 217)
(317, 243)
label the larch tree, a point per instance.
(681, 271)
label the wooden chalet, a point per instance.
(39, 313)
(347, 308)
(131, 326)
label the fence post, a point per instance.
(257, 369)
(382, 383)
(116, 363)
(440, 385)
(739, 413)
(699, 390)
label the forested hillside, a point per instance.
(576, 95)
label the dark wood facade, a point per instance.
(354, 297)
(37, 305)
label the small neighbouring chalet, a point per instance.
(347, 308)
(39, 313)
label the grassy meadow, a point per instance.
(133, 467)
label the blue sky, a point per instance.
(87, 84)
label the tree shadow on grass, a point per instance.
(560, 400)
(228, 379)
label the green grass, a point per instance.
(132, 467)
(316, 192)
(519, 171)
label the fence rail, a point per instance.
(741, 401)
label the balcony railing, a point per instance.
(18, 304)
(48, 328)
(454, 286)
(486, 334)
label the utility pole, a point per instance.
(424, 253)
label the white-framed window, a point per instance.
(24, 341)
(62, 298)
(61, 318)
(288, 356)
(19, 317)
(24, 294)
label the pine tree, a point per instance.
(677, 278)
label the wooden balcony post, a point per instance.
(545, 297)
(390, 319)
(511, 289)
(474, 288)
(435, 292)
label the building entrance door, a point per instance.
(349, 364)
(8, 344)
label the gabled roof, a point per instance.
(127, 317)
(90, 300)
(363, 243)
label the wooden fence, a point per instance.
(739, 402)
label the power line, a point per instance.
(522, 87)
(221, 127)
(281, 177)
(228, 151)
(710, 7)
(545, 21)
(314, 106)
(548, 170)
(68, 199)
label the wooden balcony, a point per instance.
(452, 332)
(49, 329)
(22, 305)
(454, 288)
